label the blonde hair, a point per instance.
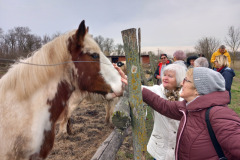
(190, 75)
(222, 60)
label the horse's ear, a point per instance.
(81, 32)
(87, 29)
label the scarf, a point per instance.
(219, 69)
(172, 95)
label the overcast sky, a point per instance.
(167, 25)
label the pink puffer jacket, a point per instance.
(193, 140)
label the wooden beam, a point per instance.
(135, 94)
(111, 145)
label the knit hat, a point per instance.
(207, 80)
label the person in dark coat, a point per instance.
(222, 65)
(161, 65)
(190, 61)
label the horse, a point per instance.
(65, 125)
(35, 90)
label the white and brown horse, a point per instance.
(33, 97)
(65, 125)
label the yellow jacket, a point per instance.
(217, 53)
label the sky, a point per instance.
(166, 25)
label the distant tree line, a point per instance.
(19, 42)
(108, 47)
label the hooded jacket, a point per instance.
(217, 53)
(193, 140)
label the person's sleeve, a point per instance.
(229, 59)
(226, 126)
(156, 72)
(213, 58)
(164, 107)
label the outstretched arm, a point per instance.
(122, 74)
(167, 108)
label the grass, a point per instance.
(235, 92)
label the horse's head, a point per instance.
(95, 73)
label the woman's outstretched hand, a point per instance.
(122, 74)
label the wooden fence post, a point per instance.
(135, 95)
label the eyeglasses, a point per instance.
(186, 80)
(163, 57)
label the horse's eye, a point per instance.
(95, 55)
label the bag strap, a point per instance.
(213, 137)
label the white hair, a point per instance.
(179, 70)
(201, 62)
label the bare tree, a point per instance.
(100, 42)
(1, 32)
(159, 52)
(56, 35)
(108, 46)
(33, 42)
(233, 41)
(18, 42)
(1, 41)
(119, 49)
(46, 39)
(206, 46)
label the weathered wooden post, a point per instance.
(135, 95)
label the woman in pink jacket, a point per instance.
(201, 89)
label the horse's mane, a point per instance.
(23, 79)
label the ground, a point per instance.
(89, 131)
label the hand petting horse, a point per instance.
(35, 91)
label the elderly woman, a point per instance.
(163, 138)
(201, 62)
(222, 65)
(179, 57)
(202, 88)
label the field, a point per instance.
(235, 90)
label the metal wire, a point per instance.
(15, 61)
